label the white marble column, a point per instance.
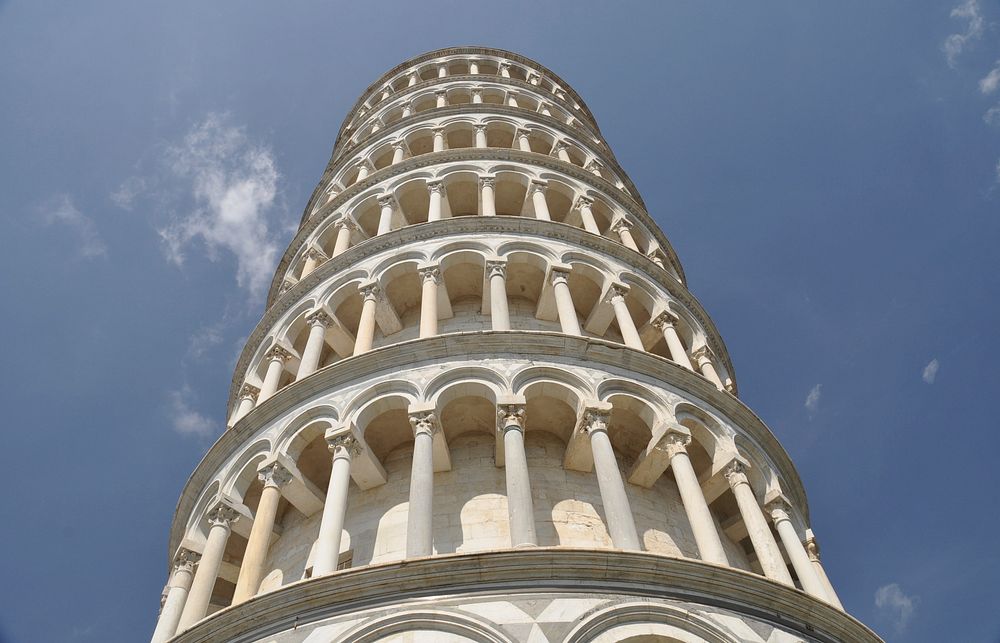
(510, 422)
(812, 548)
(366, 325)
(385, 204)
(706, 535)
(318, 322)
(496, 272)
(779, 510)
(523, 140)
(583, 204)
(412, 79)
(473, 67)
(274, 477)
(595, 167)
(480, 136)
(624, 318)
(343, 242)
(488, 196)
(537, 190)
(622, 227)
(561, 151)
(568, 321)
(177, 593)
(311, 258)
(419, 523)
(438, 139)
(407, 109)
(430, 276)
(248, 398)
(386, 92)
(703, 358)
(362, 171)
(666, 323)
(511, 99)
(477, 95)
(436, 195)
(331, 526)
(544, 109)
(760, 534)
(442, 70)
(534, 78)
(398, 152)
(376, 124)
(220, 518)
(442, 98)
(276, 358)
(617, 511)
(504, 69)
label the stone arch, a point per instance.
(437, 621)
(381, 414)
(304, 428)
(242, 473)
(628, 621)
(197, 527)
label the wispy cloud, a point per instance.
(127, 193)
(184, 418)
(895, 605)
(992, 115)
(931, 370)
(233, 183)
(991, 81)
(812, 400)
(61, 211)
(955, 43)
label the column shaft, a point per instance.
(204, 578)
(798, 556)
(763, 541)
(170, 615)
(481, 136)
(438, 140)
(419, 525)
(366, 325)
(538, 200)
(385, 216)
(313, 351)
(499, 313)
(343, 241)
(674, 345)
(587, 216)
(331, 526)
(252, 567)
(436, 190)
(428, 303)
(488, 197)
(625, 324)
(617, 510)
(568, 320)
(706, 536)
(272, 377)
(519, 506)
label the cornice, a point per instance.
(277, 304)
(542, 569)
(626, 201)
(556, 347)
(454, 51)
(337, 161)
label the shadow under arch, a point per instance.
(674, 624)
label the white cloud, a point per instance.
(992, 116)
(956, 42)
(233, 182)
(895, 604)
(812, 400)
(185, 419)
(991, 81)
(130, 189)
(205, 338)
(60, 210)
(930, 371)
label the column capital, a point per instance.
(487, 181)
(523, 131)
(664, 320)
(437, 130)
(510, 416)
(399, 144)
(583, 202)
(346, 222)
(286, 285)
(319, 318)
(440, 92)
(503, 65)
(343, 442)
(277, 354)
(736, 473)
(538, 186)
(386, 200)
(559, 273)
(779, 509)
(618, 290)
(370, 291)
(812, 546)
(619, 223)
(594, 165)
(560, 145)
(496, 267)
(222, 514)
(595, 420)
(273, 474)
(429, 273)
(435, 186)
(479, 127)
(363, 163)
(702, 355)
(425, 422)
(313, 253)
(185, 559)
(249, 392)
(673, 442)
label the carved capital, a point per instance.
(277, 354)
(440, 92)
(344, 444)
(185, 560)
(249, 392)
(479, 128)
(313, 253)
(429, 273)
(779, 508)
(274, 475)
(560, 145)
(596, 420)
(319, 318)
(370, 291)
(399, 145)
(386, 201)
(673, 443)
(222, 514)
(812, 548)
(346, 222)
(594, 165)
(510, 416)
(664, 320)
(435, 186)
(736, 473)
(496, 267)
(538, 186)
(584, 202)
(559, 275)
(487, 181)
(424, 422)
(619, 224)
(618, 290)
(703, 355)
(523, 132)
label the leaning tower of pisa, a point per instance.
(482, 405)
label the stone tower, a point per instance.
(482, 405)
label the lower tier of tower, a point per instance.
(537, 595)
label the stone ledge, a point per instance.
(535, 570)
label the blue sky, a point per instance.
(827, 172)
